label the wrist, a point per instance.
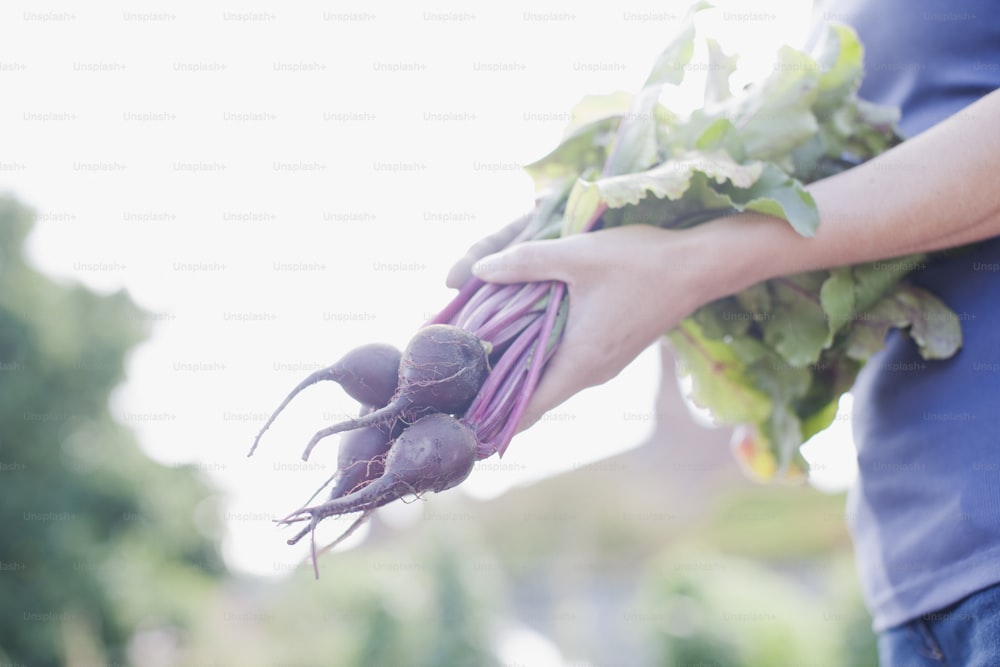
(738, 251)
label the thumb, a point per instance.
(531, 261)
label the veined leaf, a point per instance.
(720, 68)
(775, 116)
(719, 376)
(820, 420)
(797, 326)
(597, 108)
(775, 193)
(585, 146)
(932, 325)
(582, 204)
(829, 380)
(670, 179)
(722, 135)
(840, 57)
(669, 65)
(723, 318)
(699, 203)
(635, 147)
(837, 300)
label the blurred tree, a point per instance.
(379, 643)
(706, 607)
(97, 539)
(460, 636)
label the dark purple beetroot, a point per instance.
(435, 453)
(441, 370)
(368, 373)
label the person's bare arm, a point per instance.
(629, 285)
(940, 189)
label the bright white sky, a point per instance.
(194, 151)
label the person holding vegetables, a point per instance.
(925, 510)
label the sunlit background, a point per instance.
(276, 184)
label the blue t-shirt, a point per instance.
(925, 511)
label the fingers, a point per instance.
(577, 258)
(531, 261)
(462, 270)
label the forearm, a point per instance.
(937, 190)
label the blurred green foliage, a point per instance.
(97, 539)
(704, 607)
(449, 590)
(414, 600)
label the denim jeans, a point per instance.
(966, 634)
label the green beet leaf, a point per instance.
(721, 380)
(777, 194)
(584, 146)
(840, 56)
(836, 297)
(931, 324)
(669, 65)
(583, 203)
(671, 179)
(776, 116)
(796, 328)
(699, 203)
(720, 68)
(597, 108)
(636, 147)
